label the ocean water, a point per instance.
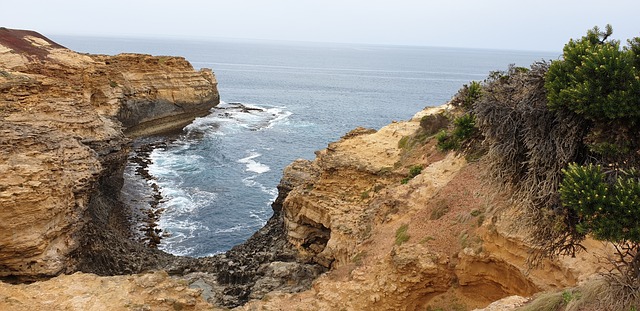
(282, 101)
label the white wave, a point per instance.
(169, 164)
(254, 166)
(180, 201)
(232, 229)
(250, 182)
(231, 118)
(279, 116)
(176, 232)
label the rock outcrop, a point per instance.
(63, 119)
(82, 291)
(380, 220)
(443, 239)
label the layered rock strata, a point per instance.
(386, 238)
(443, 239)
(62, 149)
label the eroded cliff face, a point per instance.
(81, 291)
(443, 239)
(62, 146)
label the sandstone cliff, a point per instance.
(62, 148)
(389, 240)
(443, 240)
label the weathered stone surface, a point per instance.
(439, 241)
(80, 291)
(66, 120)
(62, 149)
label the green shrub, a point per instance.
(413, 172)
(596, 79)
(467, 95)
(608, 210)
(474, 92)
(464, 127)
(463, 130)
(446, 141)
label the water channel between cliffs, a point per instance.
(218, 178)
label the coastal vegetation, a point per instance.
(561, 138)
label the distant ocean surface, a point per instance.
(219, 178)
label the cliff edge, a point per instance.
(380, 220)
(402, 225)
(66, 121)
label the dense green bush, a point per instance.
(446, 141)
(463, 130)
(473, 93)
(467, 95)
(464, 127)
(596, 78)
(608, 210)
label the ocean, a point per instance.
(281, 101)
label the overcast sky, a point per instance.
(501, 24)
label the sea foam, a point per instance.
(254, 166)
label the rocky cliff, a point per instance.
(442, 240)
(66, 119)
(380, 220)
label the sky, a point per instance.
(542, 25)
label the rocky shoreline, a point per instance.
(354, 229)
(262, 264)
(142, 195)
(83, 111)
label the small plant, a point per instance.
(568, 296)
(401, 234)
(402, 143)
(464, 129)
(474, 92)
(113, 83)
(467, 95)
(446, 141)
(413, 172)
(440, 210)
(364, 195)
